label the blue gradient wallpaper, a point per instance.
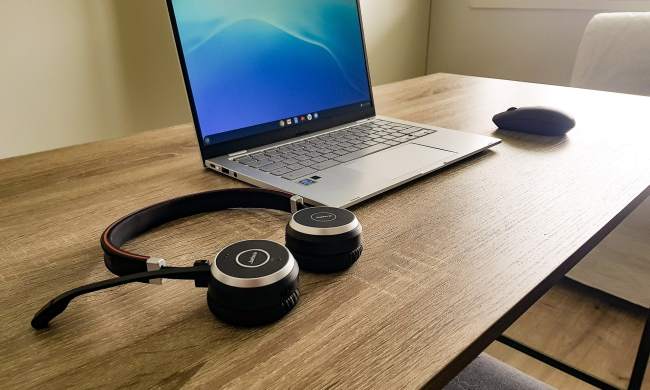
(252, 62)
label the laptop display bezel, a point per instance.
(258, 140)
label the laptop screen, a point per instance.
(255, 66)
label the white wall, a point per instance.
(80, 70)
(397, 38)
(536, 45)
(75, 71)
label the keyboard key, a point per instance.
(273, 167)
(330, 155)
(281, 171)
(308, 163)
(244, 160)
(299, 173)
(319, 159)
(295, 167)
(405, 138)
(325, 164)
(422, 133)
(360, 153)
(259, 164)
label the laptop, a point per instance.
(281, 98)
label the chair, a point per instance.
(485, 372)
(615, 54)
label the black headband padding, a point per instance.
(133, 225)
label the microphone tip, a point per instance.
(43, 317)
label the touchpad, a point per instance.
(403, 160)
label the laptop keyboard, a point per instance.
(299, 159)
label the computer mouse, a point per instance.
(535, 120)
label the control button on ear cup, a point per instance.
(253, 283)
(356, 254)
(324, 239)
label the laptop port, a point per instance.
(225, 171)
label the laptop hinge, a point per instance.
(237, 154)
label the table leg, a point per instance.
(641, 362)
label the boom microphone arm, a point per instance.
(199, 273)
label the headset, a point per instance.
(251, 282)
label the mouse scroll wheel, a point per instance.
(512, 109)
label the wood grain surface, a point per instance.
(451, 260)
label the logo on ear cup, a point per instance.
(253, 258)
(323, 216)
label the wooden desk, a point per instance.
(451, 260)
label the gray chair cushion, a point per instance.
(488, 373)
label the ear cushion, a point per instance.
(327, 263)
(258, 317)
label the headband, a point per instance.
(122, 262)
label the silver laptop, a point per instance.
(281, 98)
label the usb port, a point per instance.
(225, 171)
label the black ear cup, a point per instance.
(330, 263)
(324, 239)
(253, 283)
(250, 318)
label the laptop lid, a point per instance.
(259, 72)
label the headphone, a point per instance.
(251, 282)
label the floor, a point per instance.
(583, 329)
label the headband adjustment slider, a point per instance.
(297, 203)
(155, 264)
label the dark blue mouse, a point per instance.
(535, 120)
